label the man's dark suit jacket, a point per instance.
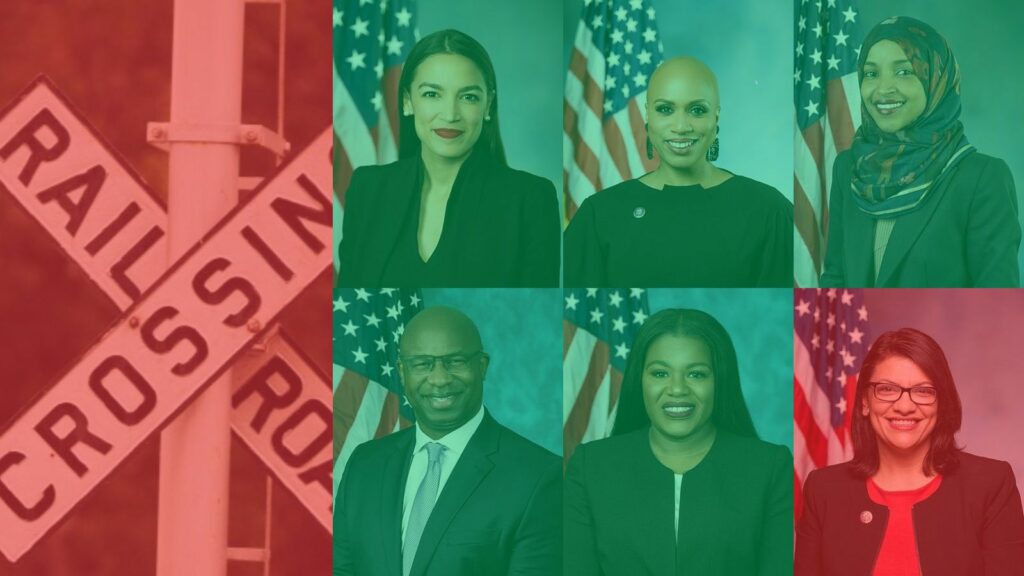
(971, 526)
(499, 514)
(504, 228)
(966, 234)
(735, 510)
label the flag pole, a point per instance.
(195, 449)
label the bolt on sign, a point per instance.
(179, 329)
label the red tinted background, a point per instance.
(112, 60)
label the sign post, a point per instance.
(195, 449)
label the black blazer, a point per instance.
(504, 229)
(965, 235)
(971, 526)
(735, 510)
(498, 514)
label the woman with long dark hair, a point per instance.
(450, 212)
(910, 501)
(913, 203)
(684, 485)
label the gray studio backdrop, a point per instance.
(760, 323)
(521, 330)
(985, 37)
(523, 38)
(749, 46)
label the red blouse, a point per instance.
(898, 555)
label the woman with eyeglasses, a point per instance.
(910, 502)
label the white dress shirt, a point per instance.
(679, 484)
(454, 443)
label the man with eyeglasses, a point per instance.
(458, 494)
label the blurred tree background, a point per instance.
(112, 60)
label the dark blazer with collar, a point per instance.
(971, 526)
(505, 227)
(498, 514)
(966, 233)
(735, 510)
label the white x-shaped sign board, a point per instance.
(180, 328)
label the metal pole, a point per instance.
(195, 450)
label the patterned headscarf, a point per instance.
(893, 172)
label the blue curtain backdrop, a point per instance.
(749, 46)
(985, 36)
(523, 38)
(522, 331)
(760, 323)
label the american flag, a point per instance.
(368, 399)
(372, 38)
(830, 341)
(598, 326)
(827, 99)
(616, 50)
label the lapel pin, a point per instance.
(866, 517)
(639, 212)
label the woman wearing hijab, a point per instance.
(913, 203)
(683, 486)
(910, 502)
(688, 223)
(450, 212)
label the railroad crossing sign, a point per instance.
(181, 326)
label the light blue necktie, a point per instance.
(422, 505)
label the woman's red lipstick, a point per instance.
(446, 133)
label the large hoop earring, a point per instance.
(650, 147)
(712, 154)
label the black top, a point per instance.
(972, 526)
(736, 234)
(966, 234)
(500, 229)
(735, 510)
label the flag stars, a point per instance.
(395, 46)
(856, 335)
(650, 13)
(830, 346)
(613, 60)
(356, 60)
(799, 48)
(650, 35)
(812, 108)
(803, 307)
(815, 342)
(414, 300)
(636, 4)
(361, 27)
(814, 82)
(627, 68)
(386, 370)
(350, 328)
(382, 344)
(597, 21)
(621, 350)
(636, 292)
(610, 83)
(841, 405)
(847, 297)
(372, 320)
(621, 14)
(628, 46)
(617, 36)
(817, 30)
(802, 23)
(337, 17)
(631, 25)
(833, 62)
(644, 57)
(571, 301)
(379, 69)
(816, 56)
(639, 317)
(831, 321)
(640, 79)
(363, 295)
(393, 312)
(615, 299)
(340, 304)
(403, 17)
(862, 314)
(596, 316)
(619, 325)
(360, 355)
(377, 100)
(849, 15)
(591, 292)
(841, 38)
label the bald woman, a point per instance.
(688, 223)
